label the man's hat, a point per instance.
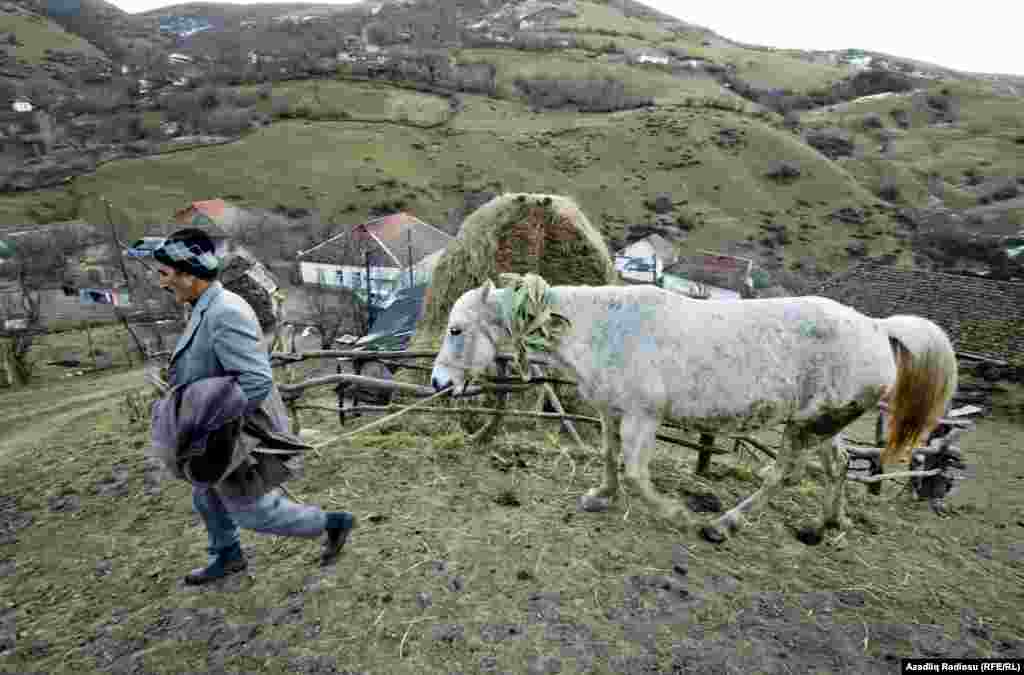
(192, 251)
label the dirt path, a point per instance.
(29, 416)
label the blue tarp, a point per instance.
(392, 327)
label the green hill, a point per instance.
(367, 146)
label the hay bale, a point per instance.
(249, 278)
(544, 234)
(547, 235)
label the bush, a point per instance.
(280, 107)
(783, 171)
(831, 142)
(228, 121)
(999, 189)
(872, 121)
(591, 95)
(888, 189)
(901, 117)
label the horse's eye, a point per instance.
(455, 331)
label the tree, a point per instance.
(333, 312)
(38, 262)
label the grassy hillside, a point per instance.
(36, 34)
(362, 146)
(983, 140)
(612, 164)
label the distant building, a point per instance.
(645, 259)
(402, 249)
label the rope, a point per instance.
(383, 420)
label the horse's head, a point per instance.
(470, 339)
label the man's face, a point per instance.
(182, 285)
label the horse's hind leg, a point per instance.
(597, 499)
(789, 457)
(638, 433)
(835, 460)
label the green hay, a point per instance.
(481, 252)
(547, 235)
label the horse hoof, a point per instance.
(811, 536)
(712, 534)
(594, 504)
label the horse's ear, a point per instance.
(486, 289)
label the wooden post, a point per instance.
(340, 392)
(707, 442)
(876, 464)
(550, 395)
(92, 350)
(357, 369)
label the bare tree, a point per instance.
(336, 306)
(333, 312)
(38, 263)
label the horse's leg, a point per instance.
(834, 460)
(638, 433)
(598, 498)
(789, 457)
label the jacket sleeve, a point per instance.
(236, 344)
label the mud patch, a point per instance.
(8, 631)
(116, 485)
(543, 607)
(11, 520)
(64, 503)
(704, 503)
(499, 632)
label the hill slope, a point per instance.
(363, 147)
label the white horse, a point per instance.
(641, 354)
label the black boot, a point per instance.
(339, 524)
(228, 561)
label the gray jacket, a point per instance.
(220, 360)
(201, 435)
(223, 337)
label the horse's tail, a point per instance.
(926, 378)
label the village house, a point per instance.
(645, 259)
(398, 251)
(216, 217)
(652, 56)
(722, 276)
(22, 105)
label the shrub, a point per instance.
(872, 121)
(901, 117)
(831, 142)
(888, 189)
(228, 121)
(280, 107)
(590, 95)
(999, 189)
(783, 170)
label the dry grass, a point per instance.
(475, 555)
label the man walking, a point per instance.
(222, 408)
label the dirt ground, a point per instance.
(477, 560)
